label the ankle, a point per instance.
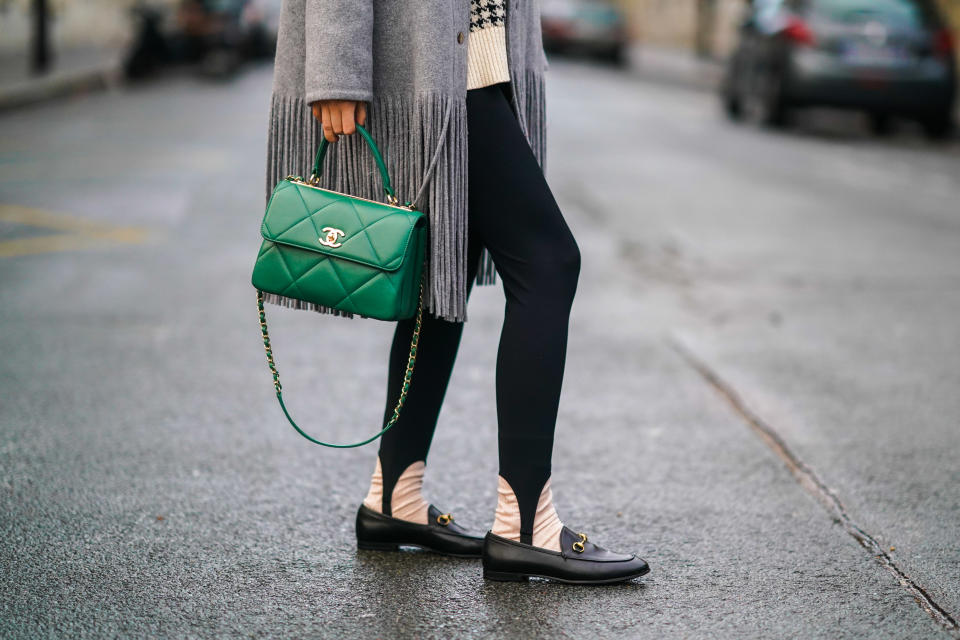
(406, 499)
(546, 523)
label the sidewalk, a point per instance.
(73, 71)
(675, 66)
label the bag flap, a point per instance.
(315, 219)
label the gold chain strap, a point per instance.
(411, 360)
(266, 342)
(407, 376)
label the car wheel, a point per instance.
(881, 124)
(938, 126)
(730, 93)
(732, 105)
(774, 108)
(615, 55)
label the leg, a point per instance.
(517, 218)
(395, 487)
(394, 513)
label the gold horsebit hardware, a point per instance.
(578, 545)
(332, 237)
(444, 519)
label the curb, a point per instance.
(60, 84)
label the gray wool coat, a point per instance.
(408, 60)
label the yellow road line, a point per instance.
(76, 233)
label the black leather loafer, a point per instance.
(377, 532)
(578, 561)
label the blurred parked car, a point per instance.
(262, 20)
(150, 48)
(594, 27)
(887, 57)
(218, 35)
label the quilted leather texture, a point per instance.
(374, 233)
(374, 272)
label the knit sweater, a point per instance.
(487, 46)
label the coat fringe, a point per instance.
(407, 130)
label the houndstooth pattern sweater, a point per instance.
(487, 46)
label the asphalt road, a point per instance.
(761, 392)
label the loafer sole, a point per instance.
(503, 576)
(395, 546)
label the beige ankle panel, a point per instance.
(506, 523)
(374, 499)
(406, 501)
(546, 522)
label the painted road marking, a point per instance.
(75, 233)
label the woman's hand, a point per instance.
(339, 117)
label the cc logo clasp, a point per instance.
(331, 238)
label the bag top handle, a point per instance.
(322, 152)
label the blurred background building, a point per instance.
(73, 23)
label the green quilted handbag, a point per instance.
(340, 251)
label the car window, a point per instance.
(766, 9)
(767, 14)
(910, 13)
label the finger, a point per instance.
(335, 118)
(317, 112)
(327, 126)
(362, 114)
(346, 118)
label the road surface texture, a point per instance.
(761, 394)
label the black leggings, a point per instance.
(514, 215)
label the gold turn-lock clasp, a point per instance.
(331, 237)
(444, 519)
(578, 545)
